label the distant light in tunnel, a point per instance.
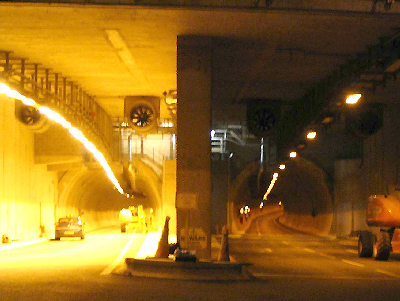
(353, 98)
(293, 155)
(311, 135)
(74, 131)
(282, 166)
(271, 185)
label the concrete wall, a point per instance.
(28, 192)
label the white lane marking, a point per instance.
(112, 266)
(353, 263)
(309, 250)
(387, 273)
(267, 250)
(351, 251)
(286, 243)
(267, 275)
(258, 228)
(326, 255)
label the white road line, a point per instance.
(309, 250)
(286, 243)
(353, 263)
(267, 250)
(326, 255)
(258, 228)
(267, 275)
(387, 273)
(351, 251)
(112, 266)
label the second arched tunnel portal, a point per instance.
(302, 188)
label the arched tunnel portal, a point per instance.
(302, 187)
(89, 192)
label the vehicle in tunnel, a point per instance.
(132, 218)
(383, 235)
(69, 226)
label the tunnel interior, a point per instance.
(302, 187)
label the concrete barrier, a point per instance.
(200, 270)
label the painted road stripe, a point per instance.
(353, 263)
(326, 255)
(286, 243)
(351, 251)
(267, 275)
(112, 266)
(387, 273)
(309, 250)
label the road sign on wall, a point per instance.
(197, 238)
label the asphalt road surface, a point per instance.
(288, 266)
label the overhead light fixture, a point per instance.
(327, 120)
(311, 135)
(125, 55)
(282, 166)
(353, 98)
(293, 155)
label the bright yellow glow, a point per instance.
(29, 102)
(352, 99)
(4, 88)
(311, 135)
(74, 131)
(14, 94)
(293, 155)
(78, 135)
(271, 185)
(282, 166)
(55, 116)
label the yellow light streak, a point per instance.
(271, 185)
(76, 133)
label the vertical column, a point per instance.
(193, 145)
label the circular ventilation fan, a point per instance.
(30, 115)
(142, 116)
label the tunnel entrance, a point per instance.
(302, 188)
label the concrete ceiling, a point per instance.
(265, 53)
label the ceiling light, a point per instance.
(293, 155)
(353, 98)
(311, 135)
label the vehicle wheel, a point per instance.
(365, 244)
(57, 238)
(83, 236)
(123, 228)
(381, 250)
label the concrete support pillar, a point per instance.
(193, 145)
(350, 206)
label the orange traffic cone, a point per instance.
(224, 251)
(163, 246)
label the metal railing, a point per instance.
(57, 92)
